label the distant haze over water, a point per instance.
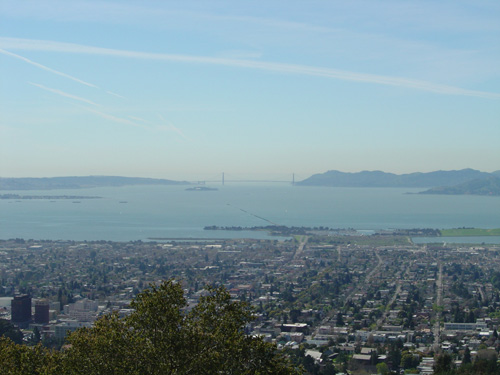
(141, 212)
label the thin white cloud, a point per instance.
(240, 54)
(53, 46)
(115, 94)
(116, 119)
(57, 72)
(442, 15)
(137, 118)
(172, 128)
(47, 68)
(108, 116)
(62, 93)
(168, 127)
(150, 126)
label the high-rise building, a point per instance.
(21, 309)
(42, 311)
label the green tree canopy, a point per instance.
(443, 364)
(16, 359)
(7, 329)
(162, 337)
(382, 369)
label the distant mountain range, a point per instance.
(465, 181)
(383, 179)
(50, 183)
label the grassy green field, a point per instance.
(465, 232)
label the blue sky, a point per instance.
(188, 89)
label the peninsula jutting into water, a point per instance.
(79, 182)
(460, 182)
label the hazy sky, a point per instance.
(188, 89)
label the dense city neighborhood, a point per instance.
(357, 304)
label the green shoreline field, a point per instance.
(469, 232)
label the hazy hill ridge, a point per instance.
(382, 179)
(49, 183)
(485, 186)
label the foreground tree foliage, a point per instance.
(18, 359)
(485, 364)
(8, 330)
(159, 337)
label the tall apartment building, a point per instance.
(42, 311)
(21, 310)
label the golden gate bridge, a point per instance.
(223, 178)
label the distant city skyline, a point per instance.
(178, 90)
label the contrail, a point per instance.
(168, 127)
(47, 68)
(53, 46)
(62, 93)
(119, 120)
(34, 63)
(115, 94)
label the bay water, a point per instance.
(145, 212)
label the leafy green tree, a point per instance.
(340, 321)
(108, 347)
(7, 329)
(18, 359)
(408, 360)
(443, 364)
(485, 367)
(382, 369)
(328, 369)
(36, 337)
(159, 337)
(294, 315)
(394, 356)
(466, 360)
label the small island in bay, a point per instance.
(201, 188)
(283, 230)
(50, 197)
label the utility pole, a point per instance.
(222, 178)
(293, 179)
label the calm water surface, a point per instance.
(159, 211)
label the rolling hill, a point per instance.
(383, 179)
(50, 183)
